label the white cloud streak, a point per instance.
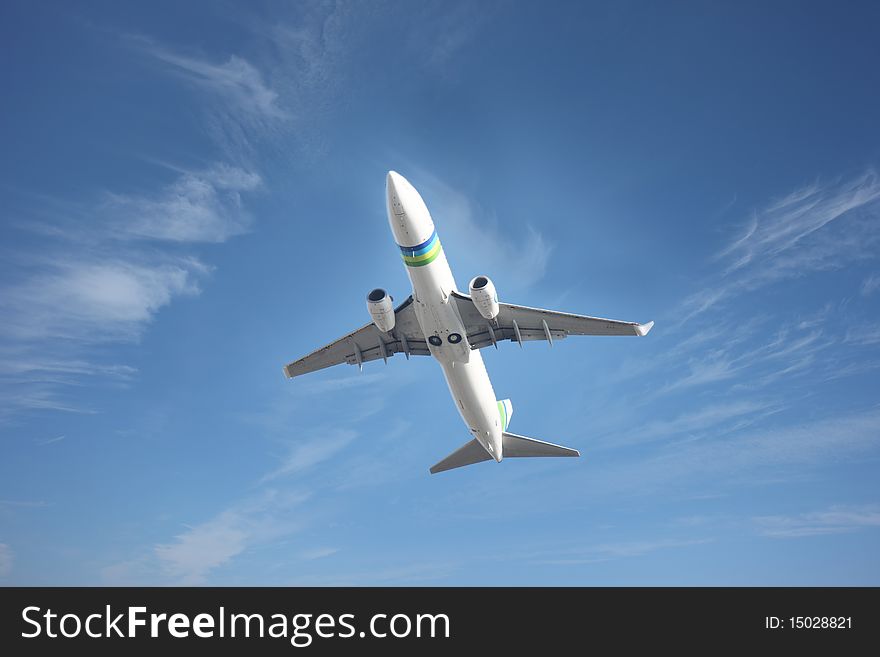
(823, 226)
(105, 270)
(24, 504)
(192, 555)
(715, 417)
(303, 456)
(836, 520)
(451, 31)
(318, 553)
(105, 281)
(754, 452)
(863, 335)
(199, 206)
(784, 224)
(609, 551)
(241, 108)
(235, 81)
(793, 349)
(870, 285)
(361, 379)
(94, 300)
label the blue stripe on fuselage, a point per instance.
(419, 249)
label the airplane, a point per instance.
(437, 320)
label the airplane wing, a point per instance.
(521, 323)
(366, 344)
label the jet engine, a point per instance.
(484, 296)
(381, 310)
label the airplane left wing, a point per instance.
(521, 323)
(366, 344)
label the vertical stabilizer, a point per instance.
(505, 410)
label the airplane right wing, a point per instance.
(366, 344)
(521, 323)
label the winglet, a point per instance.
(642, 329)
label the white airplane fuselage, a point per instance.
(432, 284)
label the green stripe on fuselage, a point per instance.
(425, 258)
(503, 413)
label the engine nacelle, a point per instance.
(484, 296)
(381, 310)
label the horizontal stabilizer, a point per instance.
(469, 453)
(515, 445)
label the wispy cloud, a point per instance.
(238, 87)
(870, 285)
(713, 368)
(765, 364)
(26, 504)
(199, 206)
(836, 520)
(102, 270)
(94, 300)
(736, 413)
(821, 226)
(784, 224)
(750, 348)
(235, 80)
(608, 551)
(787, 450)
(838, 438)
(306, 454)
(318, 553)
(105, 268)
(195, 553)
(17, 397)
(102, 281)
(191, 556)
(451, 30)
(5, 560)
(866, 334)
(344, 383)
(15, 363)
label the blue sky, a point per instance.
(194, 195)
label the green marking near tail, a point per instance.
(503, 413)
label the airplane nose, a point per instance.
(407, 213)
(394, 187)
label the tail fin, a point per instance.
(505, 410)
(512, 446)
